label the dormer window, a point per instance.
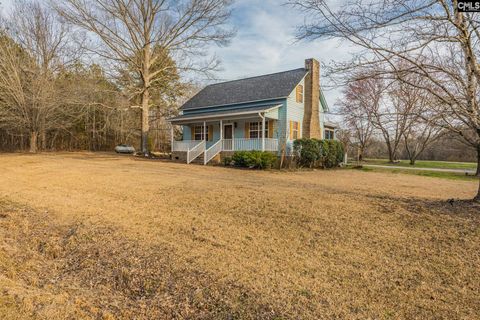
(299, 93)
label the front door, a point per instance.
(228, 137)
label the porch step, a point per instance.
(199, 159)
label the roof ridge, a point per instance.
(262, 75)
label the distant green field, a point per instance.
(425, 164)
(424, 173)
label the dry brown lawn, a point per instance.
(85, 236)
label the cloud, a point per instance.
(265, 43)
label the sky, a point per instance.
(265, 43)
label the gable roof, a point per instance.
(265, 87)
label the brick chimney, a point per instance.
(311, 117)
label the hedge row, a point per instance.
(307, 152)
(318, 153)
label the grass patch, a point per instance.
(202, 242)
(52, 271)
(425, 164)
(424, 173)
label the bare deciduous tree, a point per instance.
(34, 47)
(432, 39)
(136, 34)
(354, 108)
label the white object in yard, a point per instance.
(124, 148)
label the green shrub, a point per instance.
(227, 161)
(307, 152)
(254, 159)
(318, 153)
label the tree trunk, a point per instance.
(477, 198)
(478, 161)
(391, 156)
(33, 141)
(43, 140)
(145, 125)
(412, 161)
(145, 97)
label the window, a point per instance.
(256, 130)
(299, 93)
(198, 133)
(295, 134)
(329, 134)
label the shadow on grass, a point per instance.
(455, 207)
(83, 271)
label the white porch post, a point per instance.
(221, 133)
(263, 132)
(205, 139)
(205, 131)
(171, 137)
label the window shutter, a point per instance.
(247, 130)
(210, 133)
(192, 132)
(270, 128)
(299, 134)
(299, 93)
(291, 130)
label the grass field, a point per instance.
(422, 173)
(425, 164)
(86, 236)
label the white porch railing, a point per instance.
(212, 151)
(196, 151)
(227, 144)
(184, 145)
(245, 144)
(195, 148)
(271, 144)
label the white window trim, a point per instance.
(331, 132)
(259, 130)
(201, 132)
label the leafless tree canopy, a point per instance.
(89, 74)
(142, 35)
(397, 39)
(34, 48)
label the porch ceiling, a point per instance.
(239, 113)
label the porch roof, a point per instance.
(224, 114)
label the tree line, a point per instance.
(89, 74)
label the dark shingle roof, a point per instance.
(270, 86)
(224, 113)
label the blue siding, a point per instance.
(290, 110)
(295, 110)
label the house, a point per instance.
(266, 112)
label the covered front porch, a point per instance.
(206, 135)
